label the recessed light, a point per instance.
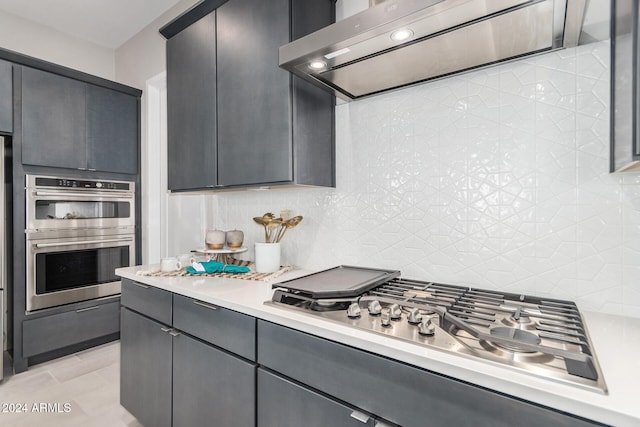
(317, 65)
(401, 35)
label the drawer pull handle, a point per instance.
(174, 333)
(141, 285)
(205, 304)
(360, 416)
(165, 329)
(382, 424)
(95, 307)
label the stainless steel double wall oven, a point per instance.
(78, 232)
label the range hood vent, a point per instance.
(396, 43)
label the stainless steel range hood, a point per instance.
(361, 55)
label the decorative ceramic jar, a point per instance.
(235, 239)
(215, 239)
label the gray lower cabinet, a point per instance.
(6, 97)
(71, 124)
(402, 394)
(145, 369)
(183, 370)
(303, 406)
(211, 386)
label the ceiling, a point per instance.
(108, 23)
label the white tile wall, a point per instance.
(496, 179)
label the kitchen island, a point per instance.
(615, 340)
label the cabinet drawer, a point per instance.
(147, 300)
(400, 393)
(224, 328)
(61, 330)
(304, 406)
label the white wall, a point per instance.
(39, 41)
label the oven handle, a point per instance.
(82, 194)
(83, 242)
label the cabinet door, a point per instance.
(210, 386)
(145, 369)
(191, 106)
(6, 97)
(254, 109)
(53, 120)
(112, 131)
(303, 406)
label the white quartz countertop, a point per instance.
(616, 340)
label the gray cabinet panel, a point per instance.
(304, 406)
(53, 120)
(145, 369)
(6, 97)
(191, 105)
(61, 330)
(224, 328)
(254, 117)
(112, 130)
(148, 300)
(403, 394)
(211, 387)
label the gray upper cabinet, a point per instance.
(257, 125)
(6, 97)
(253, 93)
(67, 123)
(191, 105)
(112, 130)
(53, 120)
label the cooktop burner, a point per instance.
(545, 337)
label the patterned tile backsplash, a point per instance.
(496, 179)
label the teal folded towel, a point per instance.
(218, 267)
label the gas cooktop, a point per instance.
(541, 336)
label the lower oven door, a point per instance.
(72, 269)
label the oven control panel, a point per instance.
(52, 182)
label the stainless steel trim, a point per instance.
(449, 36)
(82, 310)
(141, 285)
(205, 305)
(360, 416)
(80, 242)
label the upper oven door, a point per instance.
(51, 209)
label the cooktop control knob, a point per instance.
(414, 317)
(426, 327)
(395, 312)
(385, 319)
(353, 311)
(374, 308)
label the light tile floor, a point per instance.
(82, 389)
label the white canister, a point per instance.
(267, 257)
(170, 264)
